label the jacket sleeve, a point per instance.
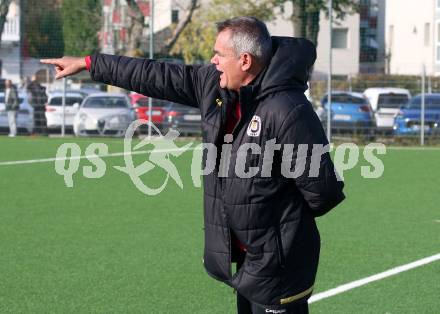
(321, 188)
(164, 80)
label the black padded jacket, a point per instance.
(273, 216)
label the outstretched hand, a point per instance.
(66, 66)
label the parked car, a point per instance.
(104, 114)
(185, 119)
(54, 109)
(350, 112)
(25, 115)
(386, 102)
(140, 104)
(408, 119)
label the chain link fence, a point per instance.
(384, 72)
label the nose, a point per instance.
(214, 60)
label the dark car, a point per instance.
(409, 121)
(185, 119)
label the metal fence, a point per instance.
(381, 71)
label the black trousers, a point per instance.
(40, 124)
(244, 306)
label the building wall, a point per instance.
(281, 26)
(10, 46)
(115, 23)
(345, 61)
(162, 17)
(10, 59)
(405, 36)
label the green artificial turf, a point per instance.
(104, 247)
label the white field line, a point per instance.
(412, 148)
(42, 160)
(314, 298)
(367, 280)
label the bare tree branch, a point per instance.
(194, 5)
(135, 28)
(135, 12)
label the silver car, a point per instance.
(101, 114)
(54, 109)
(25, 115)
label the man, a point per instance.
(37, 99)
(253, 92)
(11, 105)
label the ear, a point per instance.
(245, 61)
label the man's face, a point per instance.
(227, 62)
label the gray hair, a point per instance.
(248, 34)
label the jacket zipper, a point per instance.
(221, 180)
(280, 248)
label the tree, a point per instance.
(137, 25)
(81, 24)
(43, 34)
(181, 26)
(197, 40)
(306, 13)
(4, 8)
(135, 29)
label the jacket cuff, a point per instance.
(88, 60)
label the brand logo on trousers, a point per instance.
(275, 311)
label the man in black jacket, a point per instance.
(257, 211)
(37, 99)
(12, 106)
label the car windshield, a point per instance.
(345, 99)
(143, 102)
(391, 100)
(431, 102)
(105, 102)
(58, 101)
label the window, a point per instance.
(105, 102)
(58, 101)
(175, 16)
(431, 102)
(340, 38)
(345, 99)
(391, 100)
(427, 32)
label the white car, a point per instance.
(386, 103)
(104, 114)
(25, 115)
(54, 109)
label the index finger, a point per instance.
(50, 61)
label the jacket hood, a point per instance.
(290, 66)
